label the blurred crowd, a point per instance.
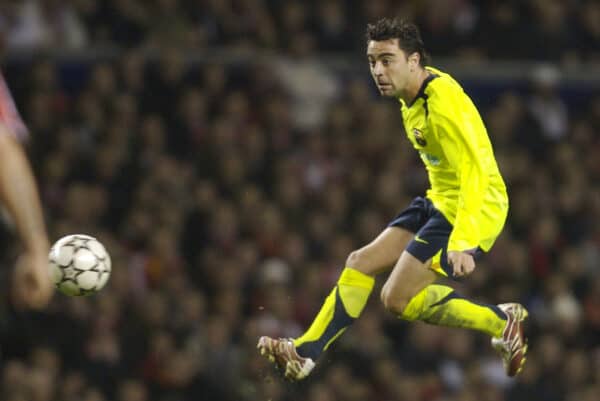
(229, 196)
(563, 30)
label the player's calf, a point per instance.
(393, 303)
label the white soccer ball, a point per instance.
(79, 265)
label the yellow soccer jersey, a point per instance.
(466, 186)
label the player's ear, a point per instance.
(414, 59)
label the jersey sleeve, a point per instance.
(460, 133)
(9, 115)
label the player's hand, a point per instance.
(32, 286)
(462, 262)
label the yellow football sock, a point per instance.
(442, 306)
(344, 304)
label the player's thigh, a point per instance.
(406, 280)
(382, 253)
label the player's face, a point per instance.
(390, 67)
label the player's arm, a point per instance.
(19, 195)
(460, 138)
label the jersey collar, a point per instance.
(421, 92)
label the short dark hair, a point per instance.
(407, 33)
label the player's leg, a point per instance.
(437, 304)
(410, 294)
(349, 297)
(343, 305)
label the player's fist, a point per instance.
(462, 262)
(32, 286)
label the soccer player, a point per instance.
(460, 217)
(32, 286)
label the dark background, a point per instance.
(230, 154)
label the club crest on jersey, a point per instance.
(419, 138)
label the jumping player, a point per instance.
(460, 217)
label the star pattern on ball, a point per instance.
(77, 243)
(70, 273)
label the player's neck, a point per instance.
(414, 86)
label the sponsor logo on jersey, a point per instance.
(419, 137)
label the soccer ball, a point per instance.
(79, 265)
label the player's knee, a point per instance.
(394, 303)
(358, 261)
